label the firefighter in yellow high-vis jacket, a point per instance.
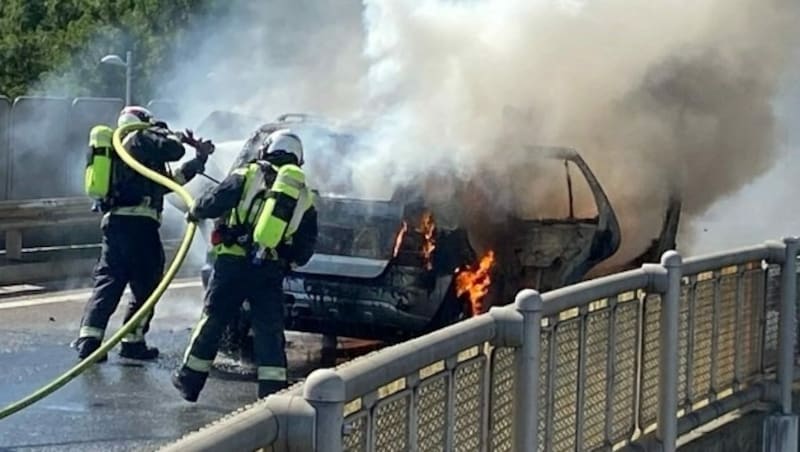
(266, 225)
(132, 252)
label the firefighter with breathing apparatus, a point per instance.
(266, 224)
(132, 252)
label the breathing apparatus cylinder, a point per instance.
(97, 177)
(275, 219)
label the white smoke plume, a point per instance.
(764, 208)
(262, 60)
(660, 98)
(265, 59)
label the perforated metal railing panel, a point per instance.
(392, 423)
(726, 329)
(751, 300)
(501, 405)
(544, 383)
(701, 339)
(742, 297)
(355, 439)
(627, 330)
(596, 378)
(449, 405)
(756, 294)
(720, 332)
(770, 317)
(432, 413)
(651, 346)
(468, 399)
(565, 384)
(684, 332)
(590, 371)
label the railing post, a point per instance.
(667, 431)
(526, 420)
(788, 319)
(780, 430)
(325, 391)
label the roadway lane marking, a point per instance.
(16, 288)
(80, 295)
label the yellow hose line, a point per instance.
(151, 301)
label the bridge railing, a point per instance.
(637, 357)
(728, 329)
(406, 400)
(592, 340)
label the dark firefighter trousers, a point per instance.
(131, 253)
(234, 280)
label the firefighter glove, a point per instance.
(204, 148)
(190, 218)
(187, 137)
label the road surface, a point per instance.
(120, 404)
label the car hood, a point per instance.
(343, 266)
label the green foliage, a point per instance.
(53, 46)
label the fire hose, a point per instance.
(151, 301)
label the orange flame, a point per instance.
(475, 282)
(427, 228)
(399, 240)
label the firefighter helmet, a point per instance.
(284, 141)
(134, 114)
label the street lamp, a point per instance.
(116, 60)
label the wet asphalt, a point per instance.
(119, 405)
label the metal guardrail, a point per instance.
(632, 359)
(16, 216)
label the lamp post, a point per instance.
(116, 60)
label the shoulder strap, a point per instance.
(254, 186)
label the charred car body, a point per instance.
(396, 268)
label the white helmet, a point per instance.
(284, 140)
(133, 115)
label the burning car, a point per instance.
(394, 268)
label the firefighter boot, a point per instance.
(189, 383)
(86, 346)
(267, 387)
(138, 350)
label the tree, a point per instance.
(53, 46)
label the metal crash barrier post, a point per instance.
(325, 391)
(529, 304)
(667, 430)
